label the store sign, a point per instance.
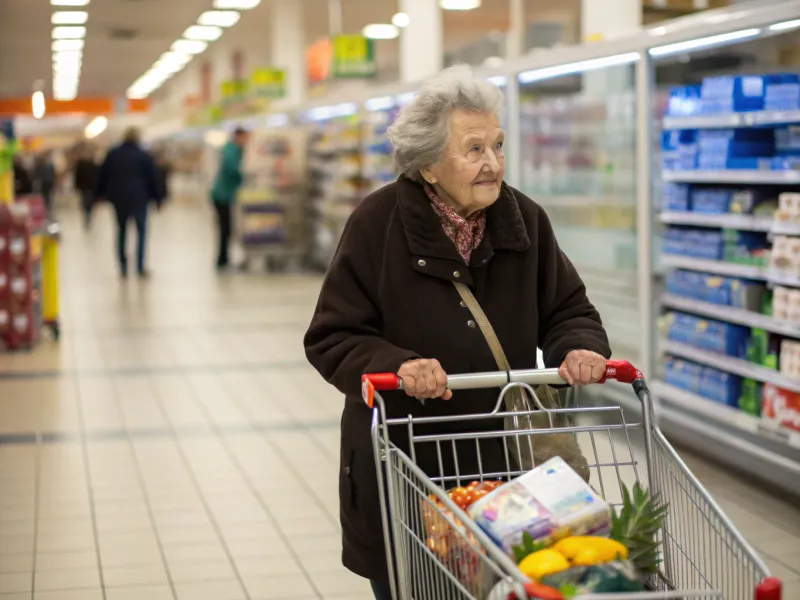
(353, 57)
(232, 90)
(319, 56)
(268, 83)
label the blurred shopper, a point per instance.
(223, 193)
(85, 176)
(390, 302)
(127, 179)
(163, 171)
(23, 184)
(44, 175)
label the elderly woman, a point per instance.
(389, 304)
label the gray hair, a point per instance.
(419, 135)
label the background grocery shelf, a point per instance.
(722, 413)
(744, 176)
(731, 315)
(717, 267)
(733, 365)
(748, 119)
(731, 221)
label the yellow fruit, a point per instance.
(586, 557)
(603, 549)
(543, 562)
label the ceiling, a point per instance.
(125, 37)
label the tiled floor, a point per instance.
(175, 445)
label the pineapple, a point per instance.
(636, 526)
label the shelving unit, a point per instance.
(728, 393)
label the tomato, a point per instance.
(460, 496)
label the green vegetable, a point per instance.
(527, 547)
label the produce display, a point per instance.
(563, 536)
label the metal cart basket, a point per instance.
(436, 552)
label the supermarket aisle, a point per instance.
(174, 444)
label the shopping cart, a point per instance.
(704, 556)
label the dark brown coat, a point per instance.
(388, 297)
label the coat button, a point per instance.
(463, 304)
(472, 324)
(456, 274)
(347, 471)
(421, 263)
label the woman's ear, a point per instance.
(428, 175)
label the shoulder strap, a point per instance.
(483, 324)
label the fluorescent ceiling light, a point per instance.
(69, 17)
(705, 42)
(208, 33)
(69, 33)
(785, 25)
(380, 31)
(382, 103)
(189, 46)
(96, 127)
(400, 20)
(176, 58)
(65, 95)
(37, 105)
(459, 4)
(69, 2)
(219, 18)
(236, 4)
(578, 67)
(67, 45)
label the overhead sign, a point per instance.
(353, 57)
(232, 90)
(268, 83)
(318, 60)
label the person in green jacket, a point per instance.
(223, 193)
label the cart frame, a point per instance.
(704, 556)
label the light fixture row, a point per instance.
(209, 27)
(69, 34)
(390, 31)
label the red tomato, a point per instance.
(459, 495)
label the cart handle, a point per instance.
(619, 370)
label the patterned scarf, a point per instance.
(466, 234)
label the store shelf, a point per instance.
(731, 315)
(783, 228)
(744, 222)
(751, 119)
(713, 266)
(729, 364)
(727, 415)
(784, 279)
(743, 176)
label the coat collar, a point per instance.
(435, 254)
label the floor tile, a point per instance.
(134, 575)
(94, 594)
(15, 582)
(213, 570)
(150, 592)
(67, 579)
(14, 563)
(279, 588)
(210, 590)
(340, 582)
(47, 561)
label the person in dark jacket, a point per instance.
(127, 179)
(23, 184)
(223, 193)
(388, 303)
(85, 174)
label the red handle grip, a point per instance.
(769, 589)
(382, 382)
(622, 371)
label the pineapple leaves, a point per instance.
(637, 524)
(527, 547)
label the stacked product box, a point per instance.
(20, 305)
(707, 382)
(727, 291)
(781, 406)
(742, 247)
(736, 94)
(706, 334)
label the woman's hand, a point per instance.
(581, 367)
(424, 378)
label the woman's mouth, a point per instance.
(486, 183)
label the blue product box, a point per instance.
(709, 200)
(787, 141)
(706, 334)
(727, 93)
(683, 374)
(684, 101)
(676, 197)
(782, 92)
(720, 386)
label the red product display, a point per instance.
(20, 305)
(781, 406)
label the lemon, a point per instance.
(543, 562)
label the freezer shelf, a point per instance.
(733, 365)
(733, 176)
(717, 267)
(728, 415)
(729, 221)
(729, 314)
(727, 121)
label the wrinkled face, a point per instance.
(469, 172)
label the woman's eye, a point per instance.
(475, 149)
(499, 145)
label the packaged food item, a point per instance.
(548, 503)
(781, 406)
